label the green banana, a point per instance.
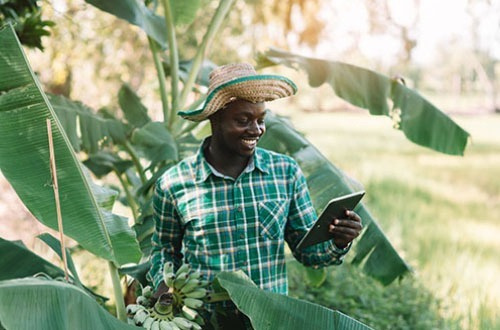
(155, 325)
(190, 285)
(165, 325)
(193, 303)
(169, 279)
(185, 268)
(140, 317)
(141, 300)
(148, 322)
(168, 267)
(182, 323)
(174, 326)
(132, 309)
(179, 309)
(147, 291)
(198, 293)
(180, 280)
(195, 325)
(189, 313)
(195, 275)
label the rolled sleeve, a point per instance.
(301, 217)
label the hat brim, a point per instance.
(258, 88)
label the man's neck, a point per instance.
(227, 163)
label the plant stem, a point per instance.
(161, 79)
(55, 186)
(215, 24)
(121, 313)
(128, 195)
(174, 60)
(135, 159)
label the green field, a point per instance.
(441, 212)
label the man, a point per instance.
(233, 205)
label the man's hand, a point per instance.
(346, 230)
(162, 288)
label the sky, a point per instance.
(439, 23)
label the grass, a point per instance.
(441, 212)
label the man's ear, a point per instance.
(214, 121)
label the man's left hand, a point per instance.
(345, 230)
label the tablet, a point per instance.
(335, 209)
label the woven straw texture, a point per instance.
(240, 81)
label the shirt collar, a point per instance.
(204, 169)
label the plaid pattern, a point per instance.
(217, 223)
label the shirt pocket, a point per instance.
(272, 218)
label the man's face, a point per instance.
(238, 127)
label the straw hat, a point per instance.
(240, 81)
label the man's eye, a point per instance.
(242, 121)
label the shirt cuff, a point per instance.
(340, 251)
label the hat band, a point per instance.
(234, 82)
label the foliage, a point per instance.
(138, 150)
(26, 16)
(45, 304)
(269, 310)
(405, 304)
(24, 160)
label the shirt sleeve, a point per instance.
(301, 217)
(167, 236)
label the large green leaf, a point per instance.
(419, 119)
(24, 161)
(94, 128)
(184, 12)
(155, 142)
(33, 303)
(325, 181)
(269, 310)
(136, 13)
(18, 261)
(131, 105)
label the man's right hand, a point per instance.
(161, 290)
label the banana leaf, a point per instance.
(130, 103)
(55, 245)
(18, 261)
(33, 303)
(155, 143)
(325, 181)
(94, 128)
(104, 162)
(136, 13)
(269, 310)
(24, 161)
(421, 122)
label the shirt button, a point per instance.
(242, 236)
(245, 263)
(240, 209)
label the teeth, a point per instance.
(251, 142)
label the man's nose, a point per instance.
(255, 128)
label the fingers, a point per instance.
(352, 215)
(347, 223)
(345, 231)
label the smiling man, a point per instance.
(233, 205)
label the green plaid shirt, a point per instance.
(217, 223)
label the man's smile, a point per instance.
(250, 142)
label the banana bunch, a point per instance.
(178, 308)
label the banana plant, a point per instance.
(151, 147)
(24, 161)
